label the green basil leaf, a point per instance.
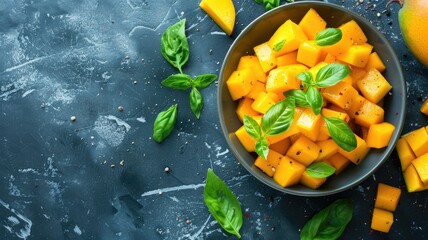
(341, 133)
(279, 117)
(262, 148)
(320, 170)
(314, 99)
(177, 81)
(306, 78)
(196, 102)
(277, 47)
(174, 45)
(203, 81)
(328, 37)
(331, 74)
(164, 123)
(259, 1)
(330, 222)
(222, 204)
(299, 97)
(270, 4)
(252, 127)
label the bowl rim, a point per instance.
(393, 141)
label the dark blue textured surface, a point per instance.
(85, 58)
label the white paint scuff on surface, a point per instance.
(24, 232)
(111, 129)
(173, 189)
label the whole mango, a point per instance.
(413, 19)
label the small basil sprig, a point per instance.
(330, 222)
(328, 37)
(164, 123)
(222, 204)
(196, 102)
(320, 170)
(174, 47)
(341, 133)
(277, 47)
(327, 76)
(270, 4)
(183, 82)
(278, 119)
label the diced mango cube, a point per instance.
(339, 162)
(253, 63)
(312, 23)
(263, 102)
(356, 105)
(387, 197)
(413, 181)
(282, 79)
(368, 114)
(257, 88)
(374, 86)
(405, 153)
(424, 107)
(286, 38)
(222, 12)
(421, 166)
(269, 165)
(266, 56)
(244, 108)
(246, 140)
(288, 172)
(329, 58)
(375, 62)
(287, 59)
(382, 220)
(353, 31)
(327, 149)
(309, 53)
(309, 124)
(281, 147)
(418, 141)
(240, 83)
(341, 94)
(311, 182)
(357, 55)
(304, 150)
(380, 134)
(357, 155)
(338, 48)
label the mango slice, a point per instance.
(222, 12)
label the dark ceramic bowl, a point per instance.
(260, 31)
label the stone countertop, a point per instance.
(64, 179)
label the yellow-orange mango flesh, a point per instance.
(269, 165)
(413, 19)
(253, 63)
(382, 220)
(418, 141)
(311, 182)
(413, 181)
(312, 23)
(374, 86)
(222, 12)
(304, 150)
(421, 166)
(380, 134)
(405, 153)
(288, 172)
(387, 197)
